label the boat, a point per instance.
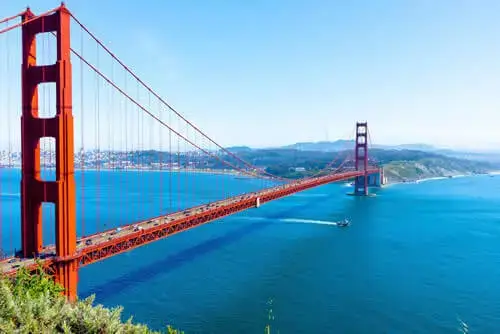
(344, 223)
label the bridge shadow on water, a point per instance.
(173, 262)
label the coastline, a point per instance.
(435, 178)
(245, 175)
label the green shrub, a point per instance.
(33, 303)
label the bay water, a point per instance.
(417, 258)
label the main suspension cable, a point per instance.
(228, 152)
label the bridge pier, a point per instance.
(361, 159)
(35, 190)
(363, 182)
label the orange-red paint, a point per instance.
(34, 190)
(61, 192)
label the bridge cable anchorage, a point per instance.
(228, 152)
(140, 106)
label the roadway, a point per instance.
(101, 245)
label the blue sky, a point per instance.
(268, 72)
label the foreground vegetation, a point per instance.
(34, 304)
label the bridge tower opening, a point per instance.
(361, 159)
(34, 190)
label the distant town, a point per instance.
(136, 160)
(399, 165)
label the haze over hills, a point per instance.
(324, 146)
(403, 162)
(341, 144)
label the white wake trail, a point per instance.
(307, 221)
(293, 220)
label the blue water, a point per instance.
(417, 258)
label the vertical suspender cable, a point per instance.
(138, 154)
(160, 161)
(154, 174)
(153, 184)
(126, 132)
(170, 160)
(9, 134)
(82, 150)
(186, 163)
(109, 176)
(178, 170)
(98, 152)
(143, 164)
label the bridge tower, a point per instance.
(35, 190)
(361, 159)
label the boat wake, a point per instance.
(307, 221)
(293, 220)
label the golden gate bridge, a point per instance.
(100, 107)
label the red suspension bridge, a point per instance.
(116, 122)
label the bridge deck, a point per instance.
(102, 245)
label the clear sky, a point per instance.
(269, 72)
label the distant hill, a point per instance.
(418, 147)
(493, 157)
(410, 165)
(236, 149)
(400, 164)
(340, 145)
(324, 146)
